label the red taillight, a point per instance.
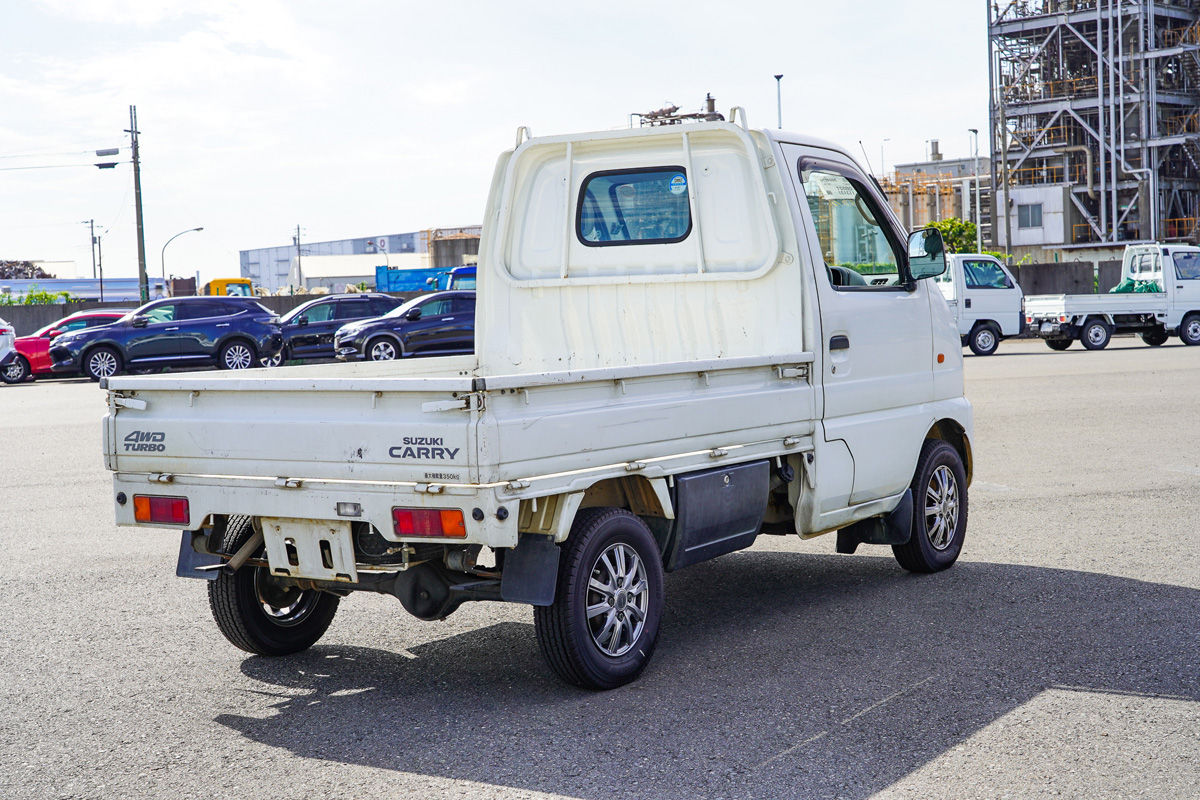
(170, 510)
(1029, 320)
(1062, 319)
(444, 522)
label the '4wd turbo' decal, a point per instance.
(145, 442)
(424, 447)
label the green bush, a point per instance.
(37, 297)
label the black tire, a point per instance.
(103, 362)
(383, 348)
(239, 603)
(1095, 334)
(16, 372)
(1059, 344)
(984, 340)
(1154, 338)
(1189, 329)
(238, 354)
(939, 500)
(569, 640)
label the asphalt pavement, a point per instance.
(1058, 657)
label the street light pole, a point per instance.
(163, 255)
(882, 167)
(91, 223)
(978, 219)
(779, 99)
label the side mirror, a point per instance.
(141, 322)
(50, 334)
(926, 254)
(413, 314)
(301, 320)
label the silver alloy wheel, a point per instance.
(383, 350)
(941, 508)
(14, 371)
(273, 361)
(1096, 334)
(284, 605)
(238, 356)
(985, 339)
(102, 364)
(618, 597)
(1193, 329)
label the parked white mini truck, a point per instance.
(985, 300)
(1164, 301)
(686, 337)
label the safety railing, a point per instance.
(1179, 228)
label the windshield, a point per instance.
(400, 311)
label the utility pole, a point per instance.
(978, 218)
(100, 250)
(299, 272)
(91, 223)
(143, 282)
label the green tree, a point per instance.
(958, 234)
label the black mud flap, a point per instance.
(895, 528)
(530, 571)
(192, 564)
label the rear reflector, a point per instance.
(171, 510)
(428, 522)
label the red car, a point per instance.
(33, 351)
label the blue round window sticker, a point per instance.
(678, 184)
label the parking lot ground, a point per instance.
(1059, 657)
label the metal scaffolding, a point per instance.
(1101, 99)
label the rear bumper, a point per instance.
(318, 500)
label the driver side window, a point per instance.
(852, 231)
(163, 313)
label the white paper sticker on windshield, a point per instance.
(678, 184)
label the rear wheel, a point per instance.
(603, 625)
(103, 362)
(939, 527)
(1059, 344)
(237, 355)
(257, 613)
(16, 372)
(1155, 337)
(1095, 334)
(1189, 329)
(382, 349)
(984, 340)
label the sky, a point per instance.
(357, 119)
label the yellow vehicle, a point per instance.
(236, 287)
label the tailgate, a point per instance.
(401, 429)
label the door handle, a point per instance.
(222, 324)
(172, 329)
(839, 343)
(968, 302)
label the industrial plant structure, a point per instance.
(1095, 120)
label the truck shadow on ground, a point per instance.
(777, 675)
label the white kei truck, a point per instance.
(676, 350)
(1165, 303)
(985, 300)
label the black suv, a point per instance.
(308, 329)
(439, 324)
(231, 332)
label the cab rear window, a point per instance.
(637, 206)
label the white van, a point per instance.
(985, 300)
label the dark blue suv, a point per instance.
(308, 329)
(231, 332)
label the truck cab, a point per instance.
(985, 300)
(230, 287)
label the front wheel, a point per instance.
(237, 355)
(603, 625)
(16, 372)
(1189, 329)
(1095, 335)
(382, 349)
(258, 614)
(984, 340)
(103, 362)
(939, 527)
